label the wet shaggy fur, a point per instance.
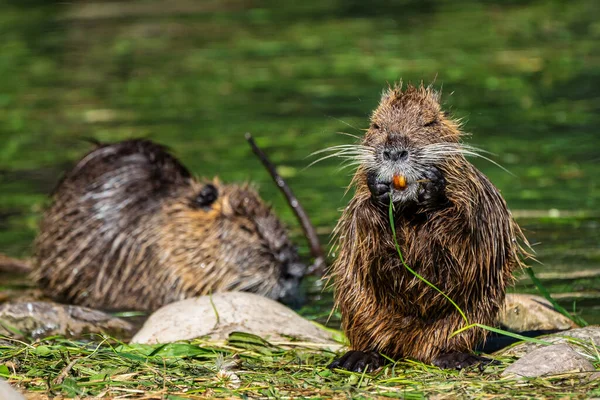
(462, 239)
(130, 228)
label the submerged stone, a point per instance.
(39, 319)
(526, 312)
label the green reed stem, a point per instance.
(393, 226)
(542, 289)
(501, 332)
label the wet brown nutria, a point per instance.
(453, 229)
(130, 228)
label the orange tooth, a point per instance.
(399, 182)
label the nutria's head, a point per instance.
(408, 134)
(239, 242)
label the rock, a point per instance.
(8, 393)
(588, 334)
(550, 360)
(237, 311)
(39, 319)
(526, 312)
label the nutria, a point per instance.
(130, 228)
(453, 229)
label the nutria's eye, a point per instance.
(431, 123)
(206, 196)
(374, 126)
(246, 229)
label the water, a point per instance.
(197, 75)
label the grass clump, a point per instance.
(246, 367)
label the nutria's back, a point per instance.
(130, 228)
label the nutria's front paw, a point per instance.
(431, 190)
(357, 361)
(461, 360)
(380, 190)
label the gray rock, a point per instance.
(8, 393)
(550, 360)
(39, 319)
(224, 313)
(589, 334)
(526, 312)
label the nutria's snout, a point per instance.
(291, 293)
(395, 176)
(206, 196)
(405, 190)
(383, 189)
(399, 175)
(394, 154)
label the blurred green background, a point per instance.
(196, 75)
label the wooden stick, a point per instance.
(309, 231)
(65, 372)
(12, 265)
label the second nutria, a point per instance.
(130, 228)
(453, 229)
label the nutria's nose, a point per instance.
(395, 154)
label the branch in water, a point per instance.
(309, 231)
(12, 265)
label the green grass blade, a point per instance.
(393, 226)
(544, 292)
(501, 332)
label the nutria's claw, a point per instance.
(431, 190)
(461, 360)
(358, 361)
(379, 189)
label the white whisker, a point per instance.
(357, 148)
(490, 160)
(345, 123)
(353, 152)
(339, 154)
(437, 151)
(349, 134)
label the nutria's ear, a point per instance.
(206, 196)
